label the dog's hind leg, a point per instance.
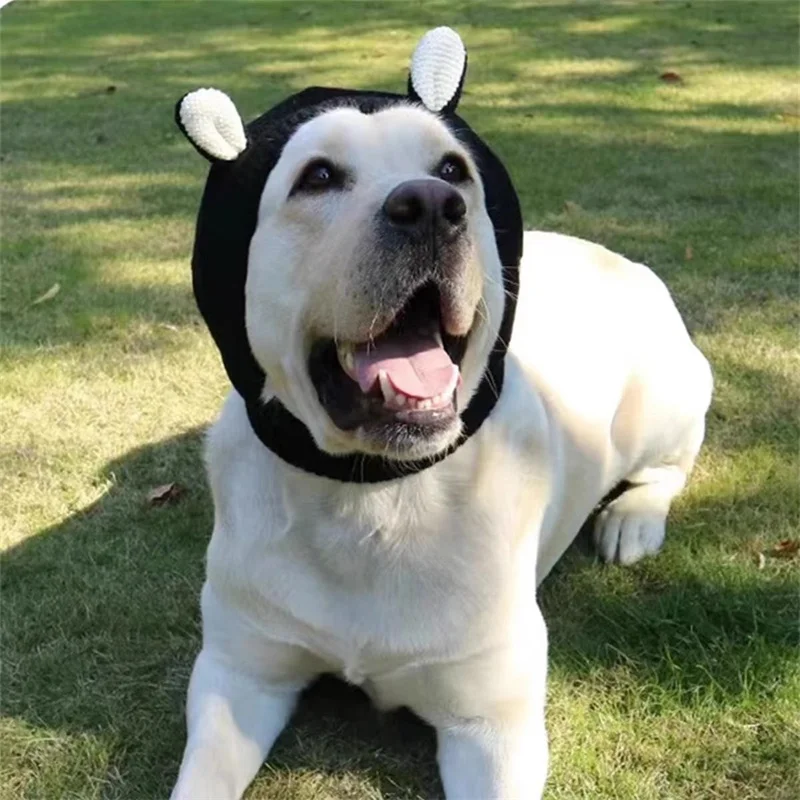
(232, 720)
(658, 429)
(633, 525)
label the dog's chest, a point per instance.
(374, 579)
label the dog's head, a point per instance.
(374, 289)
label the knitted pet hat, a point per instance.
(242, 157)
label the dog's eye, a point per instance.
(318, 176)
(452, 169)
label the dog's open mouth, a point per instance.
(408, 375)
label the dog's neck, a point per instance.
(291, 441)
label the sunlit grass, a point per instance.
(677, 678)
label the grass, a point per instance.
(677, 678)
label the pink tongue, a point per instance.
(417, 366)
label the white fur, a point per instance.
(423, 590)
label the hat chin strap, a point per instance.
(283, 433)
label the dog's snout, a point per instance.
(427, 204)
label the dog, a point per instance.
(373, 300)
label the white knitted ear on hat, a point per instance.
(437, 67)
(212, 124)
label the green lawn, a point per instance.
(677, 678)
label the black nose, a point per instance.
(428, 204)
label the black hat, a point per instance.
(242, 158)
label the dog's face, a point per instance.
(374, 290)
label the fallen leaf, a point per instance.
(671, 77)
(48, 295)
(571, 207)
(788, 548)
(164, 494)
(688, 253)
(762, 561)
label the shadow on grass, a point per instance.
(711, 31)
(101, 627)
(695, 640)
(619, 199)
(649, 182)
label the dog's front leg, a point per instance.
(232, 718)
(493, 759)
(488, 710)
(493, 742)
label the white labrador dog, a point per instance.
(422, 590)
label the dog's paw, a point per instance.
(632, 526)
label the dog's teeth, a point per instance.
(424, 405)
(400, 399)
(437, 337)
(345, 353)
(389, 393)
(436, 401)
